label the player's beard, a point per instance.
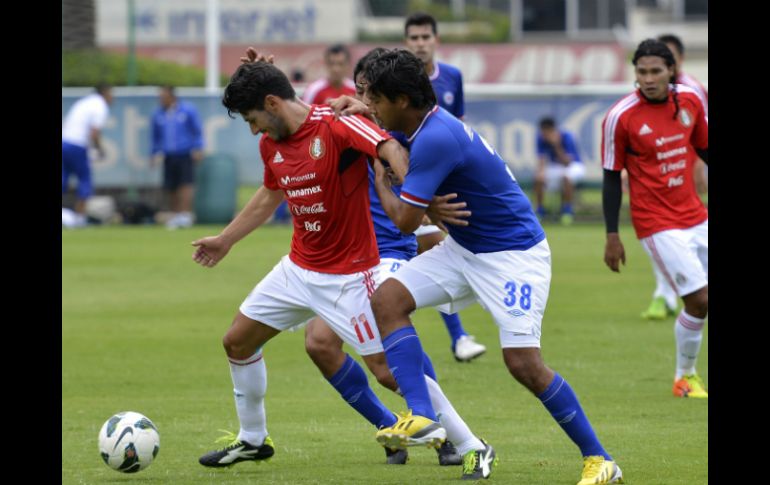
(278, 127)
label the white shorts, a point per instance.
(425, 230)
(682, 256)
(555, 173)
(389, 266)
(289, 296)
(511, 285)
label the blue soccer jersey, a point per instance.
(567, 142)
(391, 242)
(447, 83)
(447, 156)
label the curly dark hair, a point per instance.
(251, 83)
(400, 72)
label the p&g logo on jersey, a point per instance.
(317, 148)
(314, 226)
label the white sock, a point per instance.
(689, 334)
(662, 288)
(456, 430)
(250, 385)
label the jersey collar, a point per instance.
(427, 115)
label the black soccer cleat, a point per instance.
(237, 451)
(396, 457)
(448, 455)
(478, 464)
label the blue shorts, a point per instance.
(74, 161)
(178, 170)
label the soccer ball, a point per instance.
(128, 442)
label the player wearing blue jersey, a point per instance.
(500, 259)
(421, 37)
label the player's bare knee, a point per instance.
(234, 348)
(697, 304)
(527, 368)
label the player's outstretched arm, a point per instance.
(211, 250)
(348, 105)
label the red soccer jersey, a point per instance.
(328, 193)
(658, 152)
(320, 92)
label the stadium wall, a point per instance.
(506, 115)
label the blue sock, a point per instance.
(405, 360)
(454, 326)
(427, 367)
(560, 400)
(351, 382)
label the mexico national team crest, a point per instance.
(317, 148)
(685, 118)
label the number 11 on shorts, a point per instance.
(365, 323)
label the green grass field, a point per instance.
(142, 327)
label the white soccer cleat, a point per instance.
(467, 349)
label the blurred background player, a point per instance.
(654, 133)
(559, 166)
(177, 141)
(421, 37)
(337, 81)
(81, 129)
(664, 298)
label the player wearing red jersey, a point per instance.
(655, 133)
(337, 82)
(314, 161)
(664, 298)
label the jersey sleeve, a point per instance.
(269, 180)
(358, 133)
(614, 143)
(100, 116)
(570, 146)
(430, 161)
(700, 133)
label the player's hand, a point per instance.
(253, 56)
(210, 250)
(614, 252)
(348, 105)
(441, 211)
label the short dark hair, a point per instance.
(420, 18)
(547, 122)
(367, 58)
(653, 47)
(400, 72)
(169, 89)
(337, 49)
(102, 88)
(251, 83)
(672, 39)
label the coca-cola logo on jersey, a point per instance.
(670, 167)
(300, 210)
